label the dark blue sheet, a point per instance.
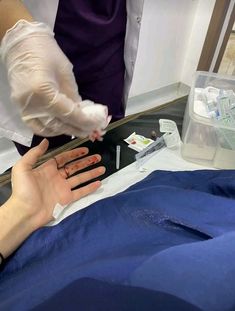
(166, 217)
(94, 295)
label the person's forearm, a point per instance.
(15, 227)
(10, 12)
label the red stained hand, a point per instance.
(38, 190)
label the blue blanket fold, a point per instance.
(202, 273)
(112, 239)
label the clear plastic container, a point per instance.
(208, 139)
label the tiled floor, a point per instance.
(227, 65)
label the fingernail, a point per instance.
(43, 141)
(102, 170)
(94, 160)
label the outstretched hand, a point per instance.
(38, 190)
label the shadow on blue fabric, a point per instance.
(94, 295)
(168, 239)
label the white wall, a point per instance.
(196, 39)
(171, 38)
(38, 9)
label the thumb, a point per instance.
(31, 157)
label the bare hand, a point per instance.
(38, 190)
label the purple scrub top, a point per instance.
(92, 33)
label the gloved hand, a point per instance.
(43, 84)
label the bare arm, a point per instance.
(36, 191)
(10, 12)
(16, 226)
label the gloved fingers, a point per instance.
(80, 133)
(56, 125)
(48, 126)
(45, 100)
(60, 120)
(44, 103)
(61, 106)
(109, 118)
(36, 95)
(68, 85)
(39, 128)
(53, 124)
(69, 112)
(96, 113)
(50, 113)
(63, 129)
(49, 100)
(90, 118)
(87, 103)
(96, 135)
(86, 117)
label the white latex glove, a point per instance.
(43, 84)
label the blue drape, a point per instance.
(171, 233)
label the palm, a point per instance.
(43, 187)
(40, 189)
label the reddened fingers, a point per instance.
(86, 176)
(75, 166)
(69, 156)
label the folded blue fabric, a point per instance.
(94, 295)
(112, 238)
(202, 273)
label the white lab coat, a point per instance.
(11, 125)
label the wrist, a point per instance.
(20, 31)
(11, 11)
(16, 225)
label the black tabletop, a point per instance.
(143, 124)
